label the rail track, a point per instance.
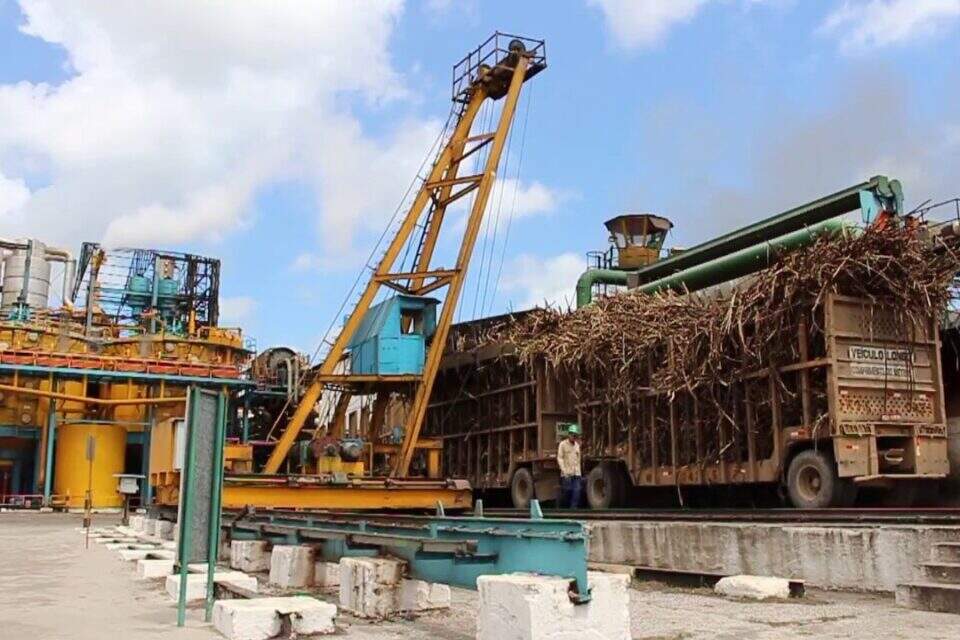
(939, 516)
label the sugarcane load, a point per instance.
(798, 355)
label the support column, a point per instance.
(51, 437)
(146, 491)
(245, 437)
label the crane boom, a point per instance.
(494, 74)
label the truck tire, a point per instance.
(522, 488)
(603, 487)
(812, 481)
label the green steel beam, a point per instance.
(67, 372)
(450, 550)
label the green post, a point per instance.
(213, 545)
(147, 493)
(186, 504)
(51, 434)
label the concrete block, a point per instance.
(197, 583)
(753, 587)
(149, 525)
(326, 574)
(370, 587)
(291, 566)
(115, 546)
(530, 607)
(115, 540)
(149, 568)
(418, 595)
(260, 619)
(136, 523)
(250, 555)
(135, 554)
(929, 596)
(168, 544)
(163, 529)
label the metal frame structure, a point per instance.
(497, 69)
(452, 550)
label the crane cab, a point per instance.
(638, 238)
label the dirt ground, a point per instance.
(51, 588)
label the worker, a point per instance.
(568, 458)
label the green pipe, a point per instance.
(743, 262)
(591, 277)
(887, 192)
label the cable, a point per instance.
(496, 221)
(485, 235)
(478, 161)
(516, 189)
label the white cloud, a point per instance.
(869, 24)
(13, 195)
(236, 311)
(178, 113)
(538, 281)
(636, 24)
(644, 23)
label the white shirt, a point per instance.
(568, 457)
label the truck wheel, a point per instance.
(812, 481)
(603, 487)
(522, 488)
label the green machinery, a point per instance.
(744, 250)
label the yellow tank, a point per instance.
(70, 409)
(72, 469)
(129, 412)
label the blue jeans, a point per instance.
(570, 487)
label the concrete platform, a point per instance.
(929, 596)
(861, 558)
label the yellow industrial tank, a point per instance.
(73, 470)
(128, 413)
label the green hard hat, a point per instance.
(573, 428)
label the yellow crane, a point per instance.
(496, 70)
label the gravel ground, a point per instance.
(51, 588)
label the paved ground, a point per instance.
(51, 588)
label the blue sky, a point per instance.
(280, 138)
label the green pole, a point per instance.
(186, 504)
(216, 490)
(148, 433)
(51, 434)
